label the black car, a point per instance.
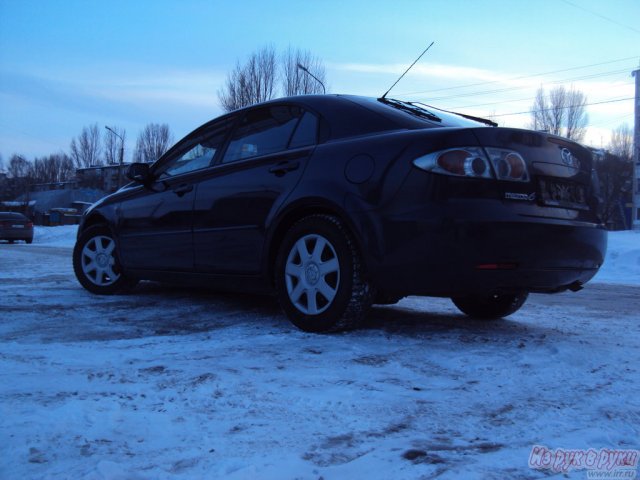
(15, 226)
(337, 202)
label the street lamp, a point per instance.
(121, 153)
(306, 70)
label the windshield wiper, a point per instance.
(411, 108)
(486, 121)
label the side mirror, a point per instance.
(139, 172)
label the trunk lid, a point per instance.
(560, 170)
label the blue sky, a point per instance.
(66, 64)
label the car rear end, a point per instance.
(493, 210)
(15, 226)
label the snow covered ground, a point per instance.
(171, 383)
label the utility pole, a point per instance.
(121, 154)
(635, 212)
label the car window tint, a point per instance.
(263, 131)
(306, 133)
(198, 152)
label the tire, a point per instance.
(28, 240)
(96, 263)
(319, 276)
(490, 307)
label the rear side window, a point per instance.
(263, 131)
(306, 133)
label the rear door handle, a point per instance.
(281, 168)
(181, 189)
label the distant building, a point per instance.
(43, 187)
(103, 177)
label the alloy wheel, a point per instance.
(312, 274)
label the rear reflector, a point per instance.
(497, 266)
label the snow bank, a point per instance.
(622, 263)
(621, 266)
(61, 236)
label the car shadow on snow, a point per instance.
(399, 321)
(188, 310)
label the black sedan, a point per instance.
(336, 202)
(15, 226)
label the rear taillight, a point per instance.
(508, 165)
(476, 162)
(29, 224)
(461, 162)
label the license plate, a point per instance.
(17, 226)
(563, 194)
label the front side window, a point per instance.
(263, 131)
(198, 152)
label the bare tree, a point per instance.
(557, 106)
(153, 142)
(297, 82)
(561, 113)
(20, 171)
(19, 167)
(541, 120)
(576, 115)
(253, 82)
(52, 169)
(85, 150)
(621, 143)
(615, 175)
(113, 143)
(1, 164)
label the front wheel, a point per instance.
(96, 263)
(319, 276)
(490, 307)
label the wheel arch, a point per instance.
(93, 220)
(296, 212)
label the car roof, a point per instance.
(353, 115)
(347, 115)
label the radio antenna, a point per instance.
(405, 72)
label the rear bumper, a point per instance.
(16, 234)
(448, 257)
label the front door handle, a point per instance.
(181, 189)
(279, 169)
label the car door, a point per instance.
(261, 165)
(156, 222)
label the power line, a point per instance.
(563, 108)
(524, 87)
(522, 77)
(601, 16)
(528, 99)
(617, 120)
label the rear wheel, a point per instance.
(490, 307)
(96, 263)
(319, 276)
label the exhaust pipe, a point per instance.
(575, 286)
